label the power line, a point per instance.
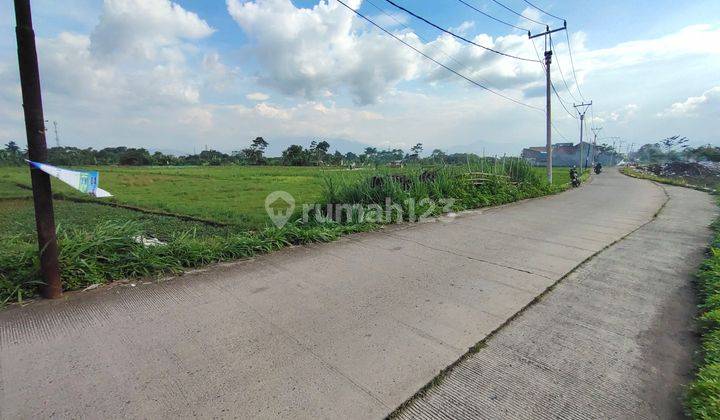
(557, 61)
(549, 14)
(517, 13)
(552, 84)
(572, 63)
(491, 17)
(370, 2)
(560, 134)
(437, 62)
(456, 35)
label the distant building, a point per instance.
(564, 154)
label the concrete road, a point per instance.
(613, 340)
(349, 329)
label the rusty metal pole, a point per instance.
(37, 150)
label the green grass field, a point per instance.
(228, 194)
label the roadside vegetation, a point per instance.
(100, 243)
(703, 394)
(703, 183)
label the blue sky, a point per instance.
(179, 75)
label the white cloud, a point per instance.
(463, 28)
(706, 104)
(693, 40)
(257, 96)
(308, 51)
(145, 28)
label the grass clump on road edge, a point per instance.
(109, 251)
(703, 394)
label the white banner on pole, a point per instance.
(83, 181)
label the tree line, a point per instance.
(675, 149)
(316, 154)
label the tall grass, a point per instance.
(109, 251)
(703, 394)
(503, 181)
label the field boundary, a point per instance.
(64, 197)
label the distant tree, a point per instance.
(254, 154)
(260, 144)
(12, 148)
(417, 149)
(650, 153)
(707, 152)
(294, 156)
(135, 157)
(674, 141)
(337, 158)
(438, 155)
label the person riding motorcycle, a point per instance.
(574, 178)
(598, 168)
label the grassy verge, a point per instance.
(678, 182)
(107, 251)
(703, 394)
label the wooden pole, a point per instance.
(37, 150)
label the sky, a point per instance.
(181, 76)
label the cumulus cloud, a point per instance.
(308, 51)
(142, 28)
(137, 53)
(257, 96)
(708, 103)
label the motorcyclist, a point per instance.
(598, 167)
(574, 178)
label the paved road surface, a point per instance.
(349, 329)
(613, 340)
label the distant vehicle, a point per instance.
(598, 168)
(574, 177)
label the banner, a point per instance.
(83, 181)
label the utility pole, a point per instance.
(595, 131)
(584, 107)
(37, 150)
(57, 137)
(548, 98)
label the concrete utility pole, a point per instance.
(548, 98)
(57, 137)
(584, 107)
(37, 150)
(595, 131)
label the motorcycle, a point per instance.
(598, 168)
(574, 177)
